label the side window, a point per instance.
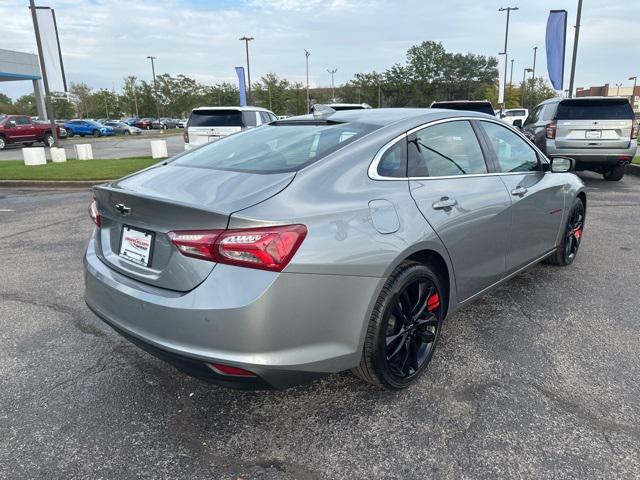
(265, 117)
(250, 118)
(446, 149)
(394, 161)
(549, 111)
(272, 117)
(533, 116)
(21, 121)
(512, 152)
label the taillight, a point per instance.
(551, 130)
(94, 214)
(185, 135)
(634, 130)
(265, 248)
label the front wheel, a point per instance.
(615, 174)
(48, 140)
(404, 328)
(127, 132)
(566, 252)
(3, 143)
(96, 133)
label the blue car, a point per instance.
(88, 127)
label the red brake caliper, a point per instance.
(433, 302)
(578, 234)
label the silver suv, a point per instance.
(600, 133)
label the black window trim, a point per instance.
(372, 171)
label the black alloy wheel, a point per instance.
(404, 328)
(567, 250)
(412, 324)
(573, 232)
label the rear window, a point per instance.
(215, 118)
(275, 148)
(595, 110)
(473, 107)
(515, 113)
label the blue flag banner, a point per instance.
(242, 86)
(556, 40)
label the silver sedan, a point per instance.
(326, 242)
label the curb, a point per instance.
(52, 184)
(633, 170)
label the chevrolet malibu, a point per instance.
(324, 243)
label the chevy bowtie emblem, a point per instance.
(123, 209)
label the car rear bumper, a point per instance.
(286, 328)
(594, 157)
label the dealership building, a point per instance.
(607, 90)
(21, 67)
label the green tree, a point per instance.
(26, 105)
(62, 108)
(81, 98)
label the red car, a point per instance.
(145, 123)
(21, 129)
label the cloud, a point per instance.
(105, 40)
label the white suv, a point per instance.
(208, 124)
(512, 114)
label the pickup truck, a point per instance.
(21, 129)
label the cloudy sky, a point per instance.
(105, 40)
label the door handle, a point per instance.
(444, 202)
(519, 191)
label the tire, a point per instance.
(3, 143)
(70, 133)
(96, 133)
(48, 140)
(127, 132)
(566, 252)
(403, 329)
(28, 144)
(82, 135)
(615, 174)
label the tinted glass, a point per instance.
(265, 117)
(215, 118)
(274, 148)
(604, 109)
(515, 113)
(21, 121)
(481, 107)
(339, 108)
(394, 161)
(548, 112)
(250, 119)
(446, 149)
(512, 152)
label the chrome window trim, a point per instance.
(372, 171)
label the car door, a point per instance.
(25, 130)
(537, 198)
(465, 204)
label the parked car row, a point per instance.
(149, 123)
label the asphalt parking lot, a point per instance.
(539, 379)
(112, 147)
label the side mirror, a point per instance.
(562, 164)
(10, 124)
(518, 123)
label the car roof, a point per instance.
(386, 116)
(243, 109)
(572, 99)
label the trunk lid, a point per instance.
(167, 198)
(594, 123)
(202, 135)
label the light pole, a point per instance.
(575, 49)
(533, 74)
(306, 54)
(524, 79)
(246, 41)
(511, 79)
(618, 91)
(333, 92)
(155, 86)
(506, 40)
(633, 92)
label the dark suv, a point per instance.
(600, 133)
